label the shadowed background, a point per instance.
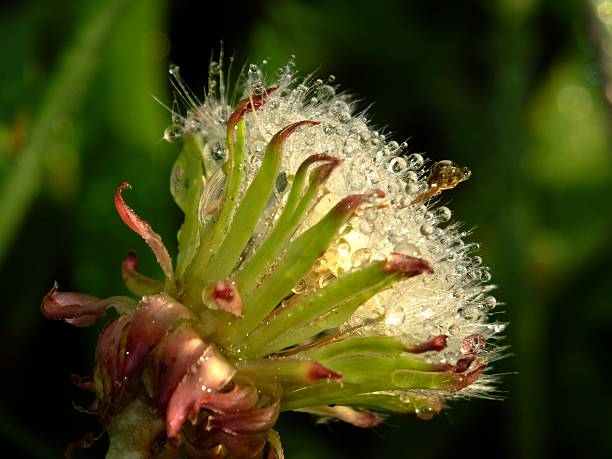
(515, 89)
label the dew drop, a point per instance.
(329, 128)
(415, 161)
(395, 316)
(173, 133)
(427, 229)
(344, 117)
(444, 214)
(254, 74)
(326, 93)
(408, 248)
(173, 69)
(476, 261)
(360, 257)
(217, 151)
(397, 165)
(214, 68)
(365, 227)
(281, 182)
(489, 302)
(338, 107)
(424, 412)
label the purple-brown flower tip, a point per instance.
(225, 296)
(75, 308)
(153, 319)
(249, 104)
(411, 266)
(281, 136)
(318, 371)
(437, 344)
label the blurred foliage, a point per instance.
(517, 89)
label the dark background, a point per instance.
(516, 89)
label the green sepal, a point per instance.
(387, 345)
(251, 207)
(186, 187)
(298, 202)
(331, 305)
(211, 240)
(392, 402)
(290, 326)
(286, 370)
(400, 379)
(293, 266)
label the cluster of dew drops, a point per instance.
(454, 300)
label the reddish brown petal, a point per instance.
(154, 317)
(210, 373)
(259, 420)
(75, 308)
(225, 295)
(141, 227)
(174, 355)
(109, 355)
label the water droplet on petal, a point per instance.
(173, 133)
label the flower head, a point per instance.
(315, 273)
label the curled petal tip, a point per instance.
(77, 309)
(251, 103)
(142, 228)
